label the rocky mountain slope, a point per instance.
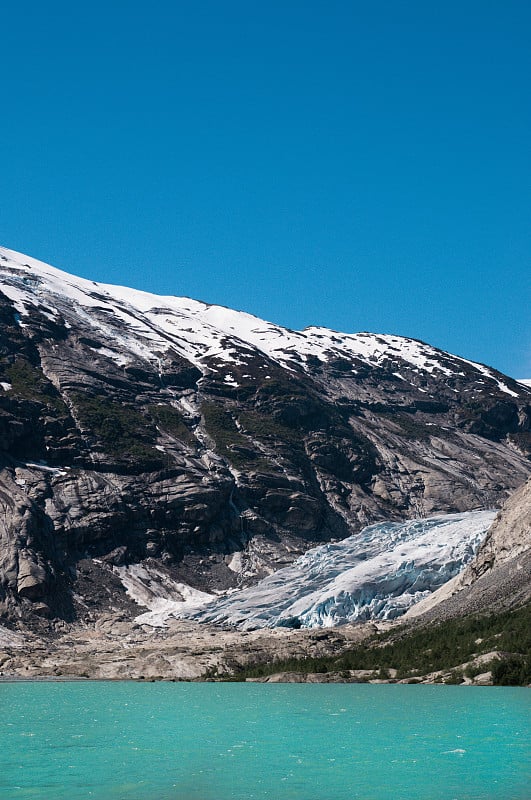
(499, 577)
(137, 429)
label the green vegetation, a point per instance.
(30, 383)
(512, 671)
(265, 426)
(222, 428)
(122, 431)
(294, 408)
(230, 442)
(437, 647)
(170, 420)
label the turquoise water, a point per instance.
(166, 741)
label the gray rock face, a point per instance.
(509, 537)
(137, 427)
(500, 574)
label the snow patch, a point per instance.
(164, 597)
(118, 358)
(41, 465)
(491, 376)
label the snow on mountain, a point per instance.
(148, 325)
(153, 588)
(376, 574)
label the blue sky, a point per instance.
(358, 165)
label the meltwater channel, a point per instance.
(215, 741)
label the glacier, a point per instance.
(377, 574)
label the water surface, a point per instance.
(166, 741)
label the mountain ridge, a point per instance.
(81, 291)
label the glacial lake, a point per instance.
(213, 741)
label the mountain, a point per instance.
(215, 447)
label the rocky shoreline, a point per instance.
(118, 649)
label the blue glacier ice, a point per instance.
(378, 573)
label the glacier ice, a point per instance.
(376, 574)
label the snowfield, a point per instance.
(148, 325)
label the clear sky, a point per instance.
(358, 164)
